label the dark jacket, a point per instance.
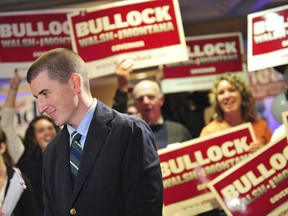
(119, 172)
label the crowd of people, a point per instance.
(116, 160)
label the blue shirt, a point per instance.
(84, 125)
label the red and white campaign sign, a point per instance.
(265, 83)
(267, 38)
(209, 56)
(24, 36)
(257, 186)
(187, 168)
(148, 31)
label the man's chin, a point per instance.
(58, 123)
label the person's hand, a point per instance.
(15, 81)
(123, 69)
(254, 146)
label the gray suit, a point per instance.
(119, 172)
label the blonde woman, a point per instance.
(234, 104)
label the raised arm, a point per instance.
(14, 143)
(123, 69)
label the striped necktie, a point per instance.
(75, 154)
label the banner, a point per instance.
(265, 83)
(267, 38)
(257, 186)
(209, 56)
(148, 31)
(24, 36)
(187, 168)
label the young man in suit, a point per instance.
(114, 170)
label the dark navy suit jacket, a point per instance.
(119, 171)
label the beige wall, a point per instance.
(104, 89)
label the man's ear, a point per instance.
(76, 82)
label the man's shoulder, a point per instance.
(173, 123)
(113, 118)
(175, 126)
(129, 119)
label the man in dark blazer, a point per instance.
(119, 172)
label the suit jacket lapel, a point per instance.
(95, 139)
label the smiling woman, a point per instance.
(39, 133)
(234, 104)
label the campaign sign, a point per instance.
(267, 38)
(257, 186)
(285, 121)
(187, 168)
(209, 56)
(148, 31)
(265, 83)
(24, 36)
